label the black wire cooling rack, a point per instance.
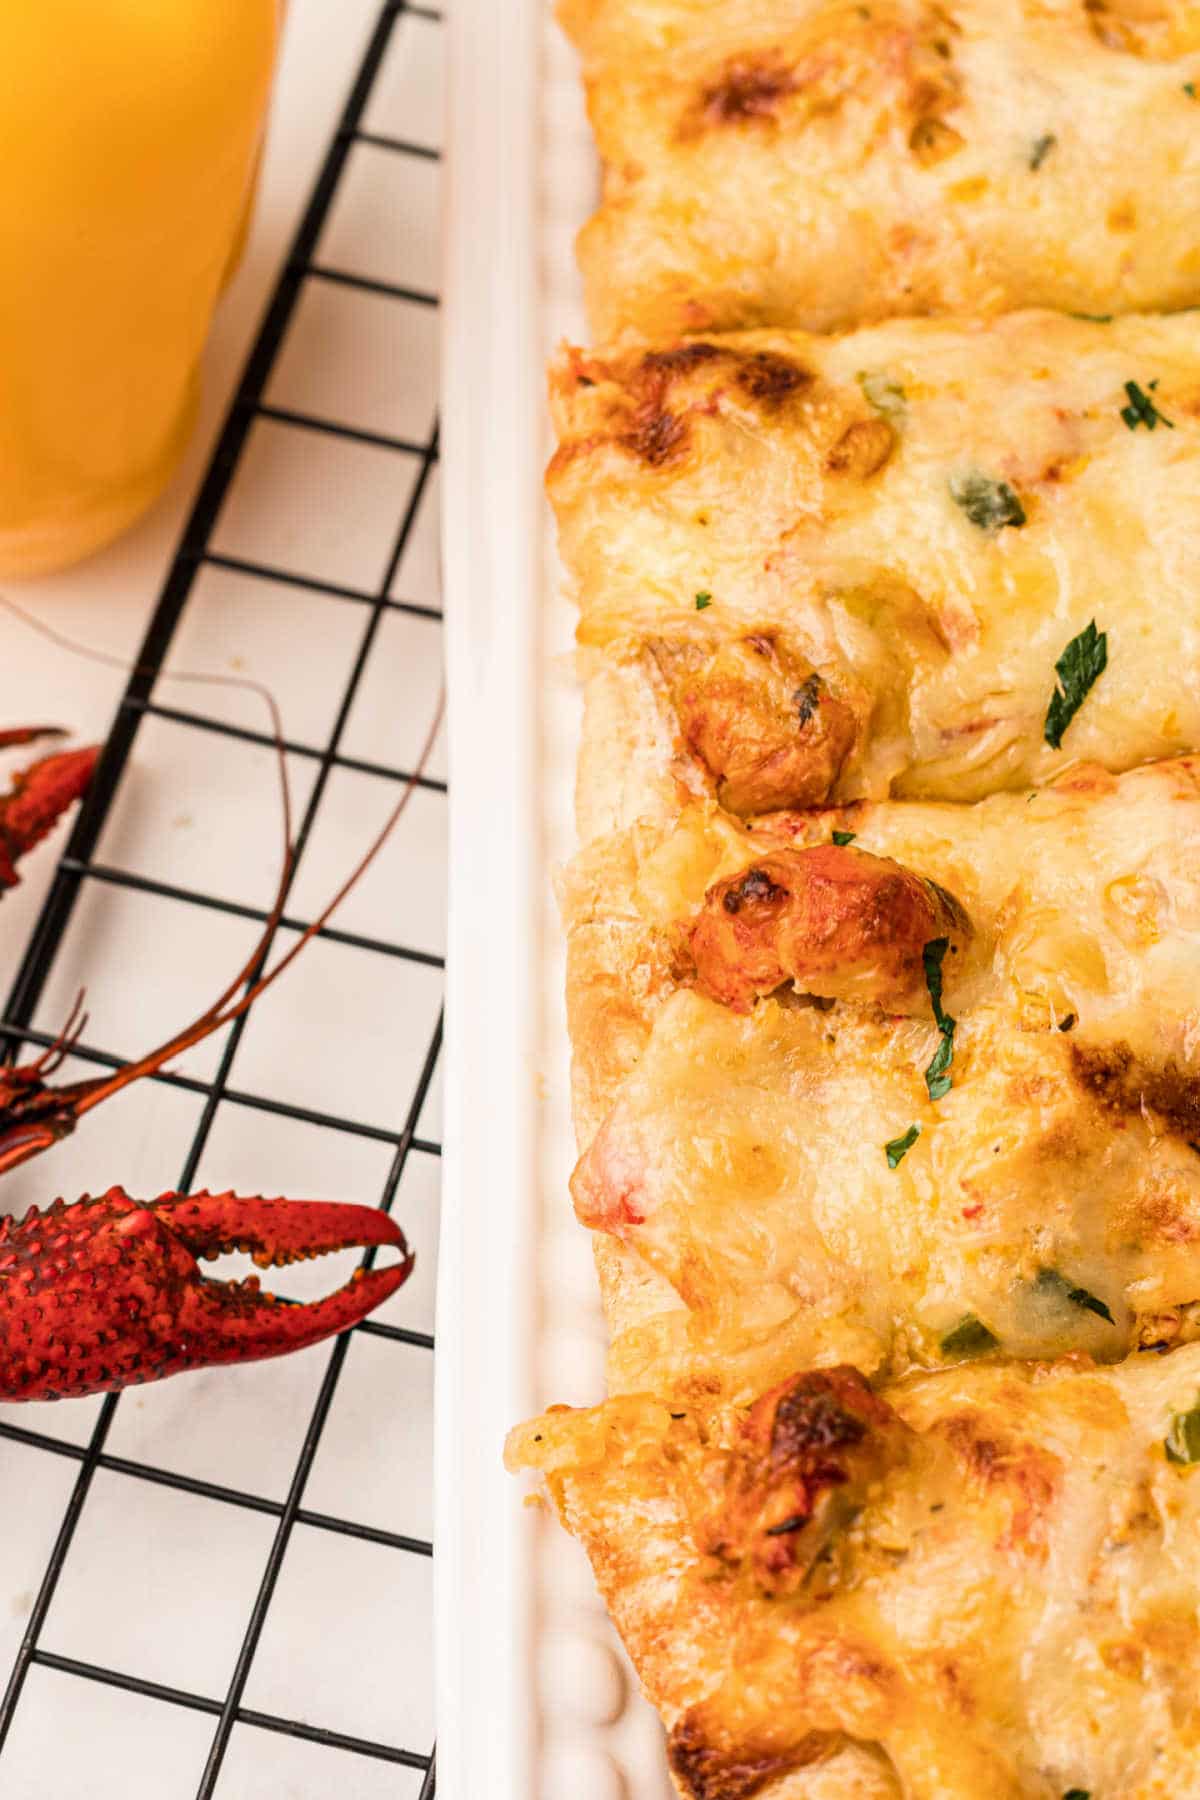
(78, 866)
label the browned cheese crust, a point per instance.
(827, 163)
(734, 1127)
(853, 564)
(976, 1585)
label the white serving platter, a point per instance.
(535, 1700)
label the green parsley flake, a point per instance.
(899, 1147)
(970, 1337)
(1189, 88)
(1182, 1442)
(703, 599)
(1081, 664)
(1093, 318)
(885, 395)
(1078, 1794)
(937, 1080)
(989, 504)
(1049, 1281)
(1041, 150)
(933, 956)
(1142, 410)
(844, 837)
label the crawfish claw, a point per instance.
(108, 1293)
(39, 796)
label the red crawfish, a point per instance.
(108, 1291)
(39, 795)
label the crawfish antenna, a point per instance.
(226, 1008)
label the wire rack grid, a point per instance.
(208, 1592)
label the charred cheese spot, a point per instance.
(748, 89)
(768, 378)
(1114, 1076)
(644, 401)
(836, 921)
(759, 719)
(808, 1450)
(710, 1768)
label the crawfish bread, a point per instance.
(872, 1075)
(826, 163)
(922, 516)
(883, 973)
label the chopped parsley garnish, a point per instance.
(1041, 150)
(1093, 318)
(796, 1522)
(1189, 88)
(885, 395)
(991, 505)
(1141, 409)
(1078, 1794)
(844, 837)
(933, 956)
(1049, 1281)
(703, 599)
(970, 1337)
(1081, 664)
(937, 1080)
(899, 1147)
(1182, 1442)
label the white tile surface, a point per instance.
(416, 1209)
(149, 965)
(385, 223)
(419, 574)
(265, 1765)
(168, 1600)
(402, 897)
(352, 1037)
(315, 505)
(374, 1461)
(360, 359)
(232, 627)
(328, 1654)
(396, 697)
(74, 1738)
(35, 1488)
(408, 99)
(429, 1124)
(203, 812)
(241, 1428)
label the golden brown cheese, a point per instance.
(976, 1585)
(851, 565)
(825, 163)
(1051, 1195)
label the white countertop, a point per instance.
(159, 1583)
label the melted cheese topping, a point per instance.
(736, 470)
(995, 1587)
(822, 163)
(1052, 1195)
